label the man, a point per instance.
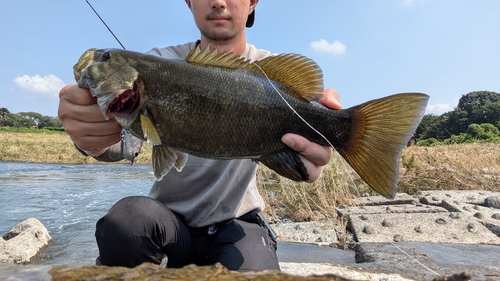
(209, 212)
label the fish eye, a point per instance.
(105, 56)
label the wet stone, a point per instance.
(363, 217)
(315, 231)
(417, 229)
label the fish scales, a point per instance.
(225, 113)
(219, 106)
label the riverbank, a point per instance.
(440, 235)
(453, 167)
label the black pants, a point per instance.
(140, 229)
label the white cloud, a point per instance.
(48, 85)
(438, 108)
(336, 47)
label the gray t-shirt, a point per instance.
(209, 191)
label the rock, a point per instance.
(398, 238)
(23, 241)
(314, 232)
(368, 229)
(479, 215)
(387, 223)
(492, 202)
(148, 271)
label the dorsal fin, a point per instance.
(296, 71)
(207, 57)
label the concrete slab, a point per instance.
(422, 227)
(430, 216)
(426, 261)
(314, 232)
(474, 197)
(401, 198)
(388, 209)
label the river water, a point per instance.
(68, 200)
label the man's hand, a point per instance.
(84, 122)
(313, 155)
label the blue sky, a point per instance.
(367, 49)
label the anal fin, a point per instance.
(164, 158)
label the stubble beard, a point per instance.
(222, 36)
(218, 35)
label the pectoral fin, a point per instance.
(149, 130)
(287, 164)
(164, 158)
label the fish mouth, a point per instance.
(125, 104)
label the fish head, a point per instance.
(112, 80)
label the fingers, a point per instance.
(78, 103)
(313, 155)
(93, 136)
(84, 122)
(330, 99)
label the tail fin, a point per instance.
(381, 129)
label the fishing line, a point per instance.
(105, 24)
(294, 111)
(415, 260)
(309, 125)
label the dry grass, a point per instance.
(303, 201)
(454, 167)
(51, 147)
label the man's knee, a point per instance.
(124, 234)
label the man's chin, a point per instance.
(219, 34)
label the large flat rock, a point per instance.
(423, 227)
(431, 216)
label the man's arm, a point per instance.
(313, 155)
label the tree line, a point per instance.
(29, 120)
(476, 118)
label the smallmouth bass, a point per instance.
(224, 107)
